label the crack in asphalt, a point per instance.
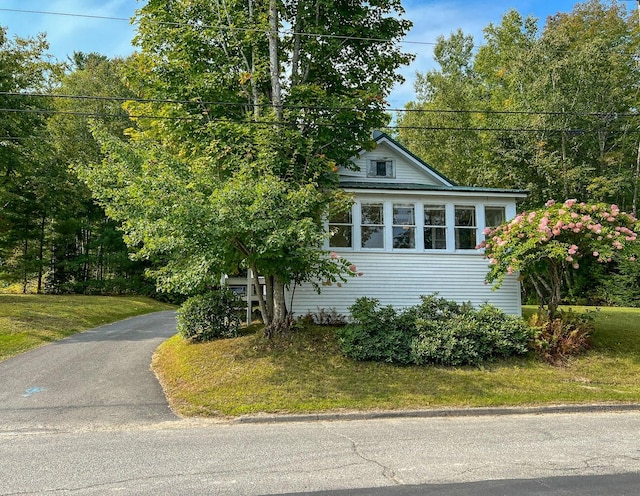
(387, 472)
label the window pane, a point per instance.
(465, 239)
(494, 216)
(466, 216)
(404, 237)
(403, 215)
(372, 237)
(435, 215)
(372, 214)
(435, 238)
(340, 217)
(341, 236)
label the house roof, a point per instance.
(447, 185)
(379, 136)
(428, 187)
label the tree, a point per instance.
(25, 169)
(553, 111)
(236, 144)
(88, 251)
(544, 245)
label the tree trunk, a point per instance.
(274, 60)
(281, 321)
(43, 221)
(262, 304)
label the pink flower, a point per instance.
(596, 254)
(353, 268)
(570, 203)
(550, 203)
(334, 254)
(573, 249)
(569, 258)
(576, 265)
(632, 259)
(509, 270)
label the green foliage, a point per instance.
(436, 331)
(538, 109)
(212, 315)
(211, 186)
(470, 338)
(566, 335)
(544, 244)
(377, 333)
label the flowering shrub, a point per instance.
(542, 245)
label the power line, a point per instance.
(225, 28)
(320, 107)
(98, 115)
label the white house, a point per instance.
(412, 232)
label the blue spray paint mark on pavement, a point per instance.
(31, 391)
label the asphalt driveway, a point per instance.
(95, 379)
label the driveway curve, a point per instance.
(99, 378)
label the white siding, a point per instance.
(406, 170)
(399, 279)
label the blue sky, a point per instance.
(112, 37)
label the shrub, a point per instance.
(212, 315)
(377, 333)
(436, 331)
(470, 338)
(559, 338)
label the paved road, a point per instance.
(85, 416)
(97, 378)
(558, 454)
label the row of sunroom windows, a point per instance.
(412, 226)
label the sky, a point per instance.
(112, 37)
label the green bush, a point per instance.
(436, 331)
(470, 338)
(212, 315)
(377, 333)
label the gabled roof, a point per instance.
(380, 137)
(444, 184)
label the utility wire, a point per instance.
(320, 107)
(225, 28)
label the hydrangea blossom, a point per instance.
(543, 244)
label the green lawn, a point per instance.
(29, 321)
(306, 373)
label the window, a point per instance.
(341, 229)
(465, 227)
(435, 227)
(380, 168)
(372, 229)
(404, 226)
(494, 216)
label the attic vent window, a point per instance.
(381, 168)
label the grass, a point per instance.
(306, 373)
(28, 321)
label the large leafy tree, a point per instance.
(249, 107)
(552, 110)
